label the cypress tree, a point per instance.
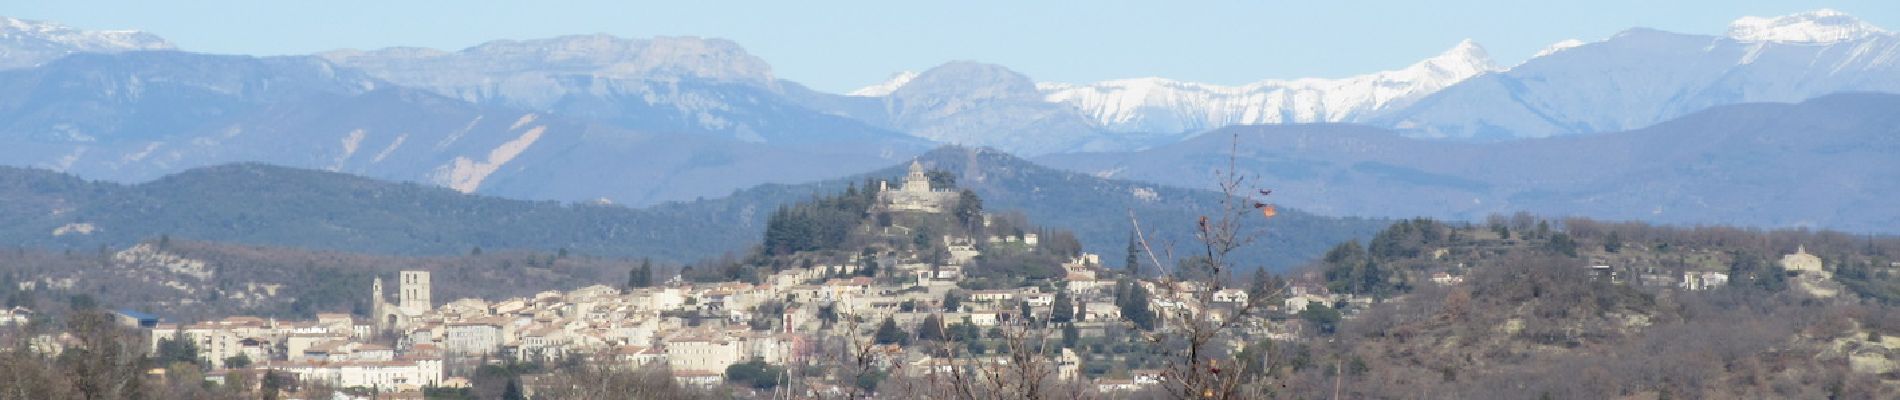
(1064, 308)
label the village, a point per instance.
(797, 316)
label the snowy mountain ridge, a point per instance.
(27, 43)
(1644, 76)
(886, 87)
(1818, 26)
(1165, 105)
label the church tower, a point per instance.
(376, 299)
(412, 297)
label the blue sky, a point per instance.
(840, 45)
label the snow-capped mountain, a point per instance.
(1642, 76)
(1166, 105)
(664, 84)
(25, 43)
(1561, 45)
(537, 73)
(135, 116)
(885, 87)
(1135, 113)
(1818, 26)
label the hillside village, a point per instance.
(698, 329)
(909, 281)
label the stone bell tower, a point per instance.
(413, 297)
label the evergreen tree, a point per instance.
(513, 391)
(1070, 335)
(952, 301)
(641, 276)
(1561, 243)
(1133, 265)
(179, 348)
(931, 329)
(1135, 307)
(273, 383)
(1064, 308)
(969, 209)
(887, 332)
(1263, 285)
(239, 361)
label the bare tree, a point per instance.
(1195, 324)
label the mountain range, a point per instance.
(1641, 77)
(1827, 162)
(1631, 80)
(137, 115)
(648, 121)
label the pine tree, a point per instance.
(931, 329)
(1263, 284)
(887, 332)
(969, 209)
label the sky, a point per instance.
(841, 45)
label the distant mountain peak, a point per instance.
(84, 40)
(970, 80)
(598, 55)
(1561, 45)
(1818, 26)
(27, 43)
(887, 86)
(1463, 60)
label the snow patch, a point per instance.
(391, 149)
(66, 162)
(524, 121)
(1553, 48)
(1818, 26)
(885, 88)
(142, 153)
(466, 175)
(458, 135)
(81, 228)
(351, 142)
(1145, 194)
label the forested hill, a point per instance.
(269, 205)
(262, 204)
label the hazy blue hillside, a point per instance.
(1827, 162)
(136, 116)
(268, 205)
(686, 85)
